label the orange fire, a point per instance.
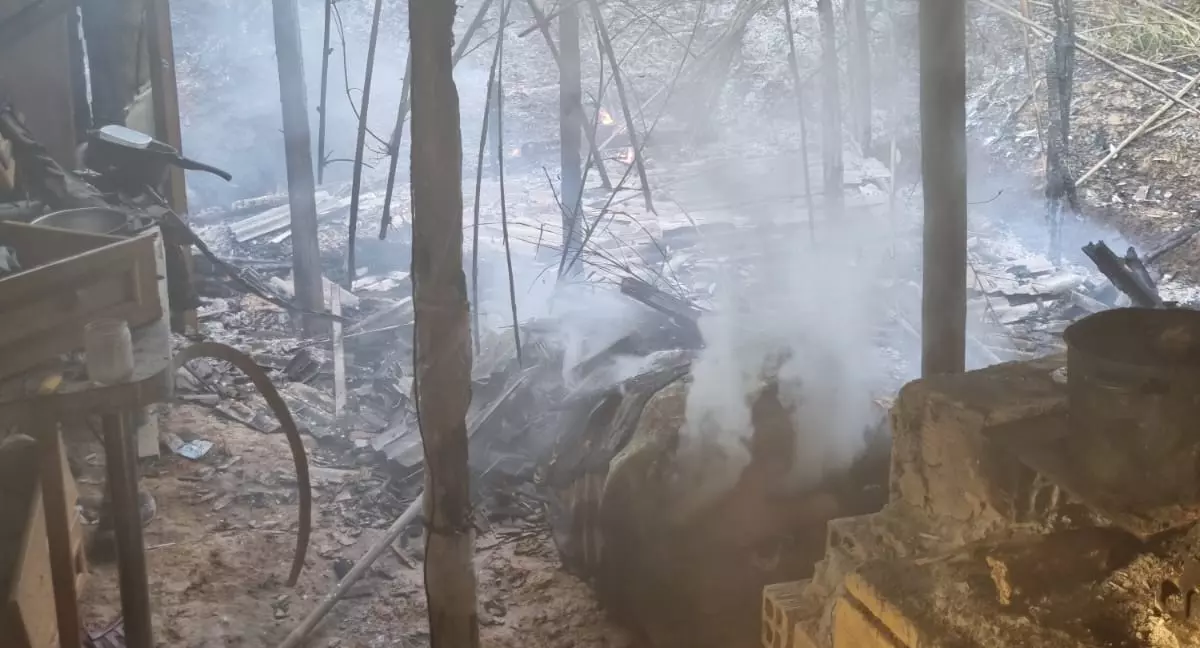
(515, 152)
(627, 155)
(605, 118)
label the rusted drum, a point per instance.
(1134, 396)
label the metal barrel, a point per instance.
(1134, 397)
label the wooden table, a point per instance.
(39, 413)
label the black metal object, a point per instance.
(1134, 376)
(133, 160)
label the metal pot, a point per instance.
(93, 220)
(1134, 396)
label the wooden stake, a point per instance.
(306, 253)
(356, 183)
(943, 167)
(443, 341)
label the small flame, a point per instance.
(627, 155)
(605, 118)
(515, 152)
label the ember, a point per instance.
(605, 118)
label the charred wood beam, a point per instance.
(1129, 275)
(943, 167)
(683, 314)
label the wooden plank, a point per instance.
(58, 533)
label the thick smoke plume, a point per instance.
(805, 316)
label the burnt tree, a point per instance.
(1060, 74)
(297, 143)
(443, 342)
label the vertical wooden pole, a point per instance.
(570, 122)
(943, 167)
(297, 142)
(443, 338)
(166, 94)
(831, 112)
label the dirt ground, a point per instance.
(220, 546)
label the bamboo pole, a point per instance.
(323, 106)
(360, 145)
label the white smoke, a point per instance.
(804, 315)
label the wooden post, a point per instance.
(831, 112)
(443, 338)
(570, 123)
(165, 95)
(943, 167)
(297, 142)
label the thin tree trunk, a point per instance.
(800, 111)
(831, 144)
(606, 44)
(570, 123)
(322, 107)
(356, 184)
(1060, 75)
(860, 71)
(306, 253)
(394, 147)
(443, 342)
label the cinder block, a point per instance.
(944, 462)
(783, 606)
